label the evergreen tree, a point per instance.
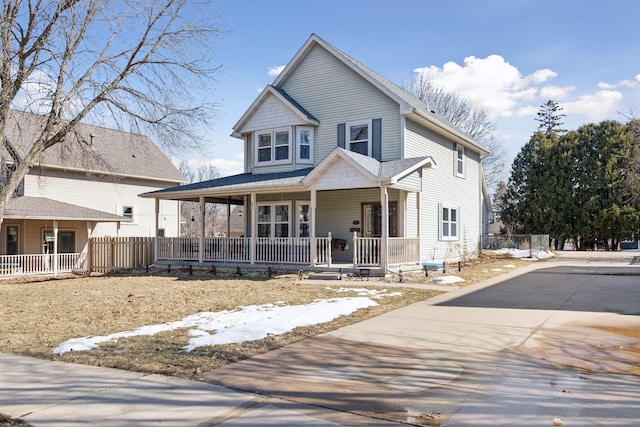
(550, 118)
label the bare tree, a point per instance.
(138, 65)
(214, 213)
(460, 112)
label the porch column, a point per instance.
(87, 261)
(203, 206)
(55, 247)
(228, 218)
(157, 221)
(254, 228)
(312, 232)
(384, 202)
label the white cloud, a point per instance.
(555, 92)
(275, 70)
(226, 167)
(492, 83)
(595, 107)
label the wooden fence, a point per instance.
(114, 253)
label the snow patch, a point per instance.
(243, 323)
(447, 280)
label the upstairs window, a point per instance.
(459, 160)
(359, 137)
(305, 145)
(273, 147)
(127, 211)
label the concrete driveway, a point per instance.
(557, 341)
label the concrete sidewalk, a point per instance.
(49, 393)
(522, 349)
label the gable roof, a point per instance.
(41, 208)
(92, 149)
(387, 172)
(281, 95)
(409, 104)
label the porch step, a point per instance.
(325, 275)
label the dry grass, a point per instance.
(37, 316)
(472, 271)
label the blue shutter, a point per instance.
(376, 139)
(341, 130)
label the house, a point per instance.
(87, 186)
(343, 169)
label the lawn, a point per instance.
(37, 316)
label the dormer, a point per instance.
(278, 131)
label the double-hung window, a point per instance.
(273, 220)
(273, 146)
(459, 160)
(449, 225)
(305, 145)
(359, 137)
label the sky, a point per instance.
(507, 56)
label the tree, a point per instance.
(574, 186)
(135, 65)
(460, 112)
(214, 214)
(549, 118)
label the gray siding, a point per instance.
(339, 95)
(441, 186)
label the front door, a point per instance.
(372, 219)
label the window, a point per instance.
(459, 160)
(359, 137)
(127, 211)
(273, 147)
(66, 242)
(12, 240)
(305, 145)
(449, 223)
(273, 220)
(304, 218)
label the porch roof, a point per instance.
(234, 185)
(231, 189)
(41, 208)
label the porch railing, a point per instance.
(20, 265)
(366, 251)
(284, 250)
(404, 250)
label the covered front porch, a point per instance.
(41, 236)
(350, 211)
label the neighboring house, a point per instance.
(236, 224)
(86, 186)
(343, 167)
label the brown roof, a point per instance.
(93, 149)
(46, 209)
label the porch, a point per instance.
(42, 264)
(368, 252)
